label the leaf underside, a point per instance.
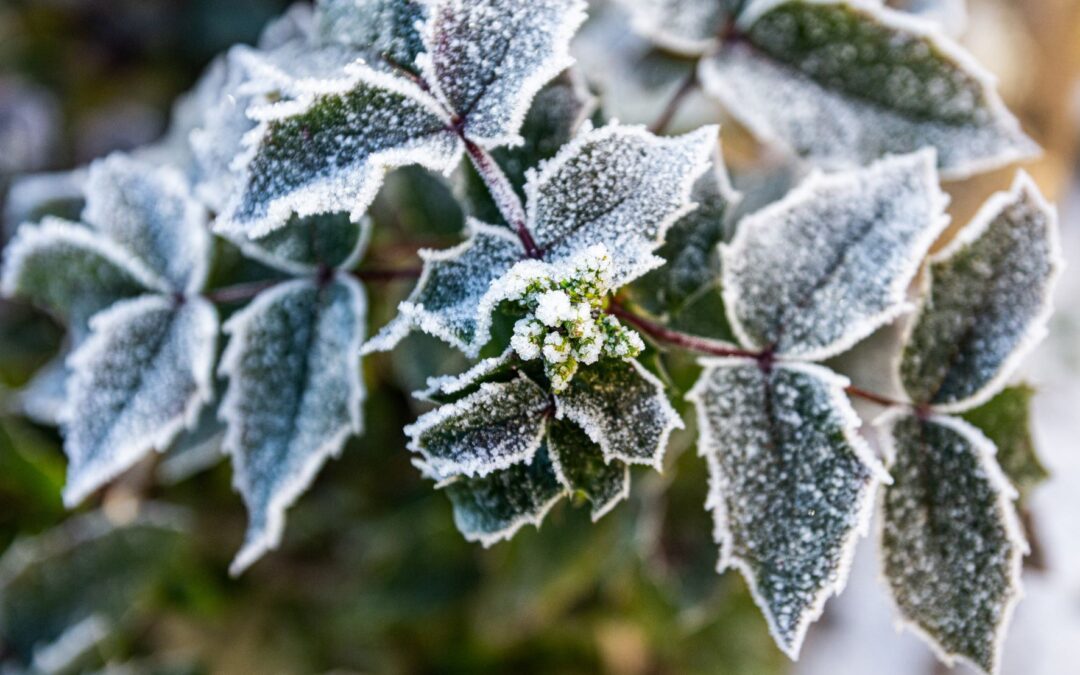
(791, 484)
(951, 545)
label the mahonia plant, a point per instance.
(584, 237)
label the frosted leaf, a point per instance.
(580, 466)
(150, 212)
(618, 186)
(494, 507)
(386, 28)
(447, 298)
(951, 542)
(450, 387)
(691, 246)
(290, 71)
(812, 274)
(493, 428)
(690, 27)
(988, 303)
(42, 398)
(31, 197)
(845, 82)
(791, 486)
(294, 396)
(305, 245)
(137, 381)
(329, 150)
(951, 15)
(296, 23)
(623, 408)
(72, 271)
(486, 59)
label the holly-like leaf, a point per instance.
(623, 408)
(381, 28)
(498, 426)
(951, 542)
(791, 484)
(329, 150)
(72, 271)
(486, 59)
(447, 388)
(988, 303)
(618, 186)
(844, 82)
(294, 396)
(814, 273)
(690, 27)
(139, 379)
(1006, 421)
(306, 245)
(494, 507)
(150, 212)
(451, 290)
(580, 466)
(42, 398)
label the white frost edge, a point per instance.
(250, 248)
(918, 27)
(559, 60)
(806, 192)
(413, 315)
(644, 21)
(305, 201)
(102, 325)
(452, 384)
(597, 511)
(29, 239)
(536, 179)
(489, 391)
(170, 183)
(596, 434)
(237, 327)
(985, 452)
(1023, 186)
(850, 421)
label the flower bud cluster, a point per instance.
(564, 323)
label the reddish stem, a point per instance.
(883, 401)
(672, 108)
(502, 192)
(665, 334)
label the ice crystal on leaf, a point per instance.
(384, 28)
(822, 268)
(791, 484)
(294, 396)
(988, 301)
(951, 542)
(846, 81)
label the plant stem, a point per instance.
(672, 108)
(883, 401)
(243, 292)
(506, 199)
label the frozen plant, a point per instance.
(583, 238)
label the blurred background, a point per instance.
(372, 576)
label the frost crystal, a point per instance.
(819, 270)
(294, 396)
(137, 381)
(791, 484)
(988, 303)
(381, 28)
(951, 541)
(486, 59)
(690, 27)
(499, 425)
(618, 186)
(843, 82)
(623, 408)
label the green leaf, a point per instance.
(580, 467)
(306, 245)
(843, 82)
(498, 426)
(329, 150)
(382, 28)
(988, 302)
(792, 484)
(951, 542)
(494, 507)
(623, 408)
(294, 396)
(141, 377)
(812, 274)
(1006, 421)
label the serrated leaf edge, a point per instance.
(597, 511)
